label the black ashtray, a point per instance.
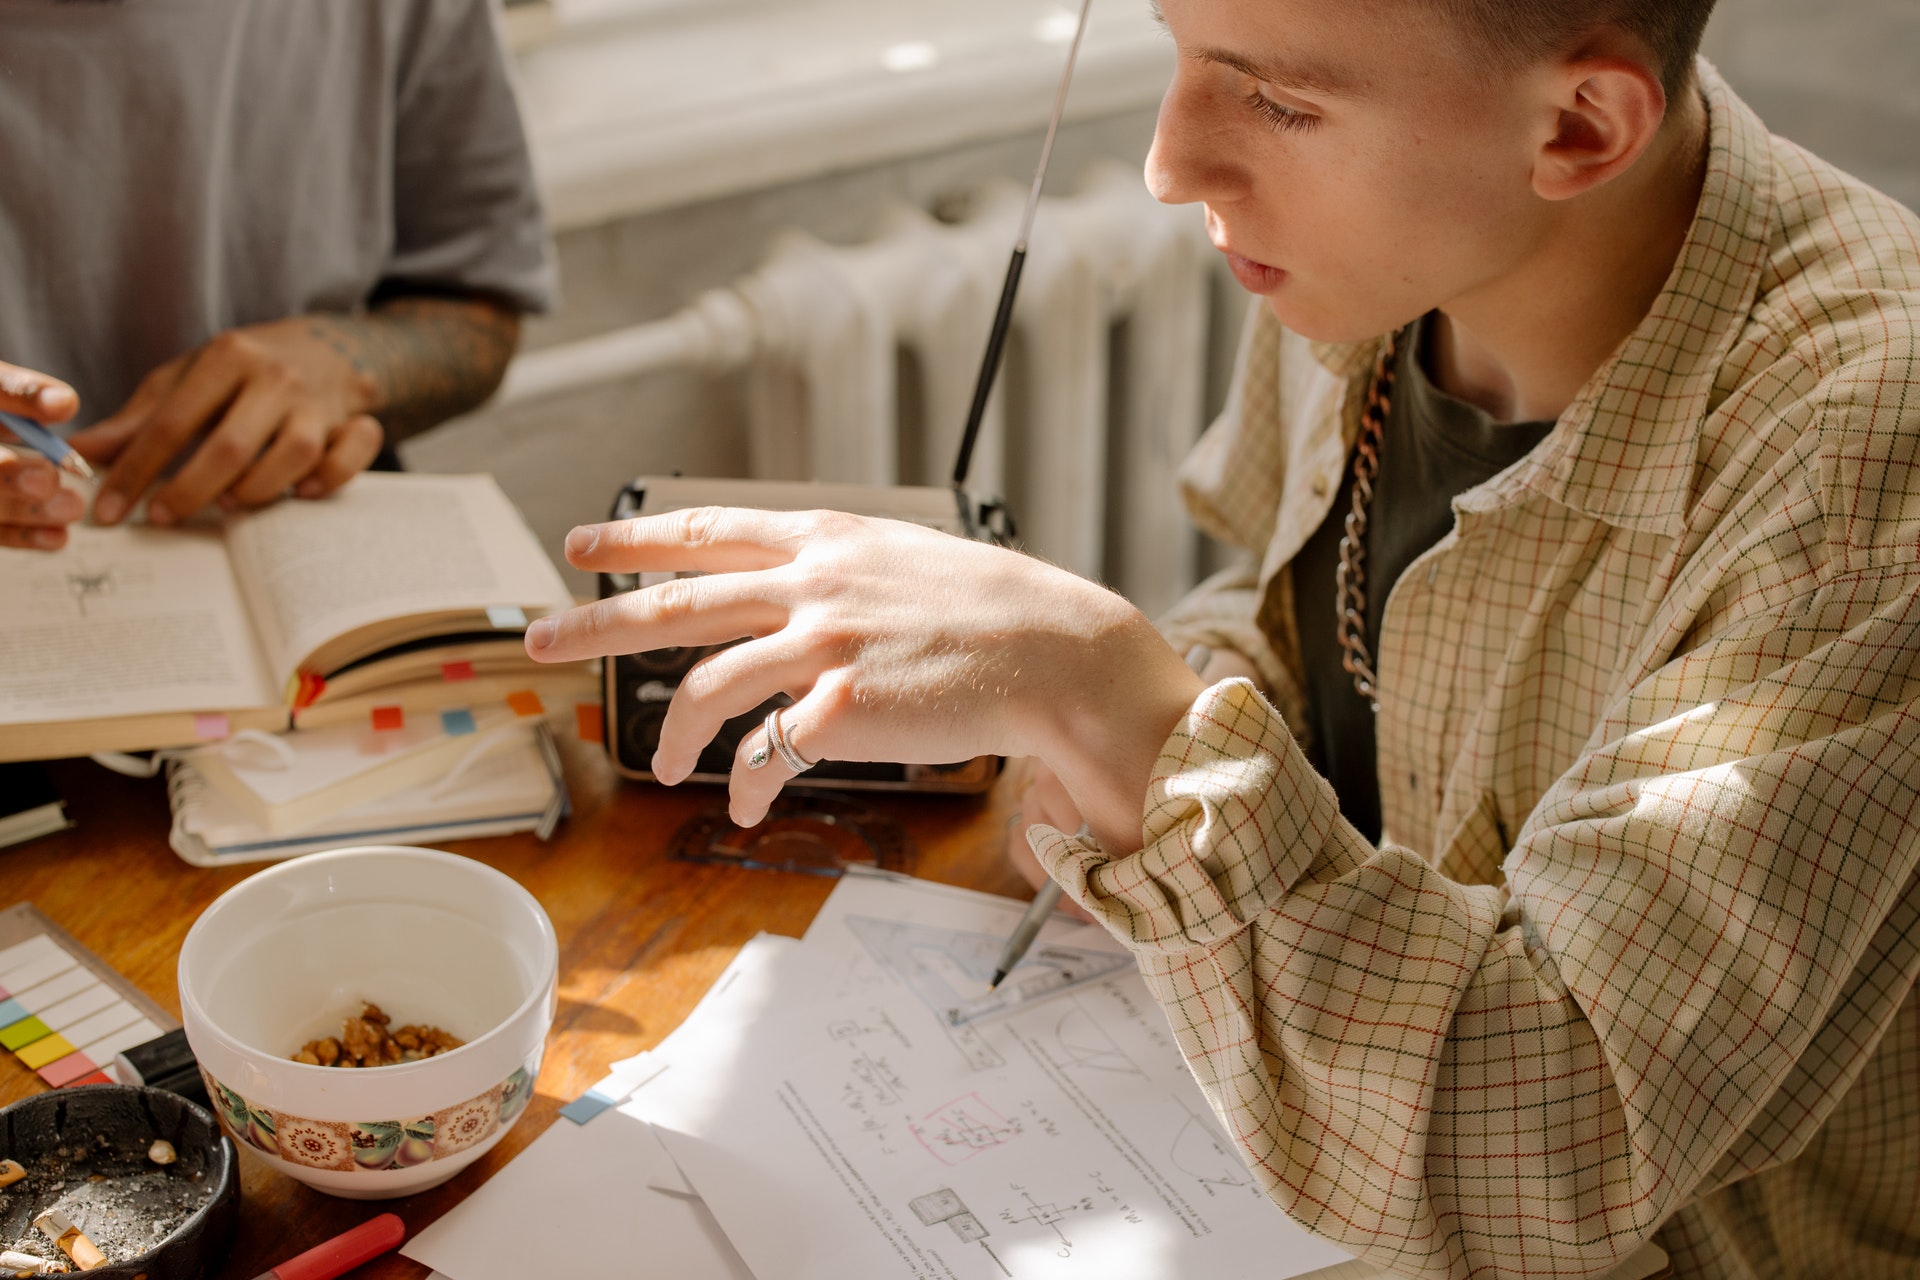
(86, 1153)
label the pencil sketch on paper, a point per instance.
(74, 586)
(1204, 1154)
(1082, 1043)
(949, 969)
(959, 1130)
(943, 1205)
(1048, 1214)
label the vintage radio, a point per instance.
(638, 686)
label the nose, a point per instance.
(1193, 157)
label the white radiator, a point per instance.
(861, 362)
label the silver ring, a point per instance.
(777, 738)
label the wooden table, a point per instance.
(641, 938)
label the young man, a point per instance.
(1607, 926)
(259, 241)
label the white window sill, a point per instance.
(655, 110)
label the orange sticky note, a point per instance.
(526, 702)
(389, 718)
(589, 722)
(456, 671)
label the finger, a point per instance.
(57, 510)
(351, 449)
(292, 454)
(203, 391)
(719, 687)
(754, 786)
(669, 615)
(1050, 802)
(32, 538)
(257, 415)
(35, 395)
(101, 443)
(709, 539)
(26, 475)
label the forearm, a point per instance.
(424, 359)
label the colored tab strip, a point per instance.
(507, 618)
(211, 727)
(525, 702)
(455, 671)
(67, 1070)
(385, 718)
(23, 1033)
(589, 721)
(11, 1011)
(44, 1050)
(98, 1077)
(457, 722)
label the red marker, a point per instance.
(344, 1252)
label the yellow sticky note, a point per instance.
(44, 1050)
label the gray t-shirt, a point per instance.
(173, 168)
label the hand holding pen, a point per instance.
(34, 507)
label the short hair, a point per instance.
(1517, 32)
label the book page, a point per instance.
(386, 546)
(123, 622)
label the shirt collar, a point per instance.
(1625, 449)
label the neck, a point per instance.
(1522, 347)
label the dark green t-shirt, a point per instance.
(1433, 447)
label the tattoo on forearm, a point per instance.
(428, 358)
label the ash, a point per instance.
(121, 1201)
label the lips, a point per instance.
(1254, 277)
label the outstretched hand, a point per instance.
(899, 643)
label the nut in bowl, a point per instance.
(295, 953)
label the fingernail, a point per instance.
(159, 513)
(109, 507)
(583, 539)
(540, 632)
(65, 506)
(52, 399)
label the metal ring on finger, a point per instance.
(777, 737)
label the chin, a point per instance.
(1332, 324)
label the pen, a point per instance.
(344, 1252)
(48, 445)
(1048, 898)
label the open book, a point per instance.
(403, 590)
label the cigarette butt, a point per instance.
(11, 1172)
(57, 1227)
(27, 1264)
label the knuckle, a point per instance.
(303, 450)
(226, 453)
(673, 598)
(697, 526)
(232, 344)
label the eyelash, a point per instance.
(1282, 119)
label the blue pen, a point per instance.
(47, 444)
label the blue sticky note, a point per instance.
(12, 1011)
(586, 1106)
(457, 721)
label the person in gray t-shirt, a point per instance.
(249, 244)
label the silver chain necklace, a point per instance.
(1350, 579)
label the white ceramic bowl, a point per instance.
(286, 955)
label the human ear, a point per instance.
(1607, 112)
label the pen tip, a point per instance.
(999, 976)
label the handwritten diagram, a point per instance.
(78, 586)
(959, 1130)
(943, 1205)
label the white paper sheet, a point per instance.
(575, 1202)
(837, 1123)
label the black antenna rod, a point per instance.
(1003, 316)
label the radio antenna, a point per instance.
(1003, 317)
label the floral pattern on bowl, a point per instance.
(369, 1146)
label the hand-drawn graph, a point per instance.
(1204, 1154)
(1082, 1043)
(949, 969)
(959, 1130)
(943, 1205)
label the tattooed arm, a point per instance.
(303, 403)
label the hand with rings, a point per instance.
(897, 643)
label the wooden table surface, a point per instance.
(642, 936)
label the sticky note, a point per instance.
(526, 702)
(37, 972)
(79, 1006)
(23, 1033)
(589, 722)
(451, 671)
(509, 617)
(98, 1077)
(103, 1049)
(211, 726)
(65, 1071)
(38, 947)
(110, 1019)
(457, 721)
(54, 990)
(389, 718)
(44, 1050)
(11, 1011)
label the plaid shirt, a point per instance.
(1637, 956)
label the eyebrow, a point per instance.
(1305, 79)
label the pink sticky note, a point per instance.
(211, 726)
